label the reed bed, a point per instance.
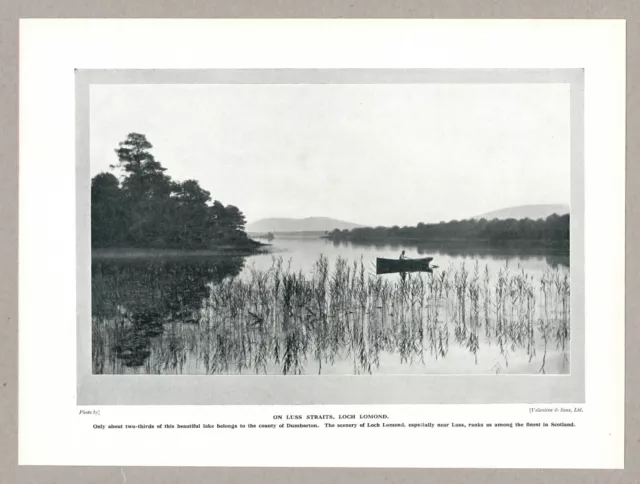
(281, 321)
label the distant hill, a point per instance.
(533, 212)
(309, 224)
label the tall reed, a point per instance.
(280, 321)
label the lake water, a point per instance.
(482, 311)
(302, 253)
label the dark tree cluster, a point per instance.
(147, 209)
(554, 230)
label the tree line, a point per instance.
(554, 230)
(146, 208)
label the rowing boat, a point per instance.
(390, 266)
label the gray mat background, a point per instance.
(11, 10)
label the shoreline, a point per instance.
(458, 242)
(141, 253)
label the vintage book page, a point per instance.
(322, 243)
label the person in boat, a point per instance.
(403, 275)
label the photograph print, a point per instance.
(331, 227)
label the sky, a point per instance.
(374, 154)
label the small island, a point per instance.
(145, 210)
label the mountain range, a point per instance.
(533, 212)
(309, 224)
(322, 224)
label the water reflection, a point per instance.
(552, 257)
(216, 316)
(134, 300)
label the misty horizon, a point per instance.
(355, 222)
(372, 155)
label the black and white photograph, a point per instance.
(331, 228)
